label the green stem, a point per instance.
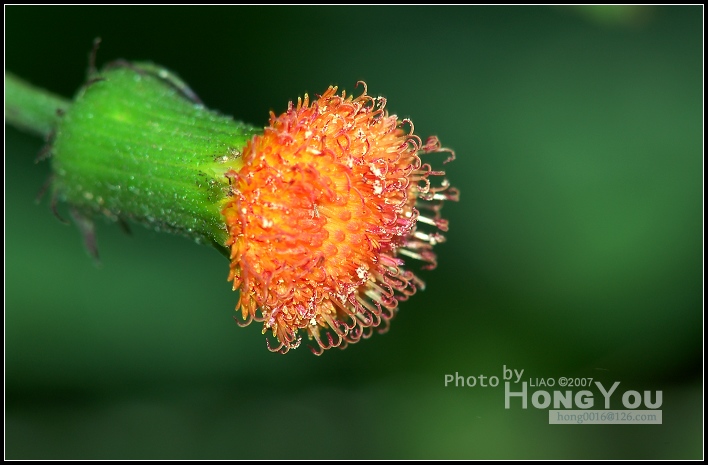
(30, 108)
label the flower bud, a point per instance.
(330, 199)
(318, 212)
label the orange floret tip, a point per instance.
(331, 199)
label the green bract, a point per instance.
(137, 145)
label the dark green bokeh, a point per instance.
(576, 248)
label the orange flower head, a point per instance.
(330, 199)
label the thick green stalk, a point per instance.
(137, 145)
(30, 108)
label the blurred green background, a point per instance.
(576, 248)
